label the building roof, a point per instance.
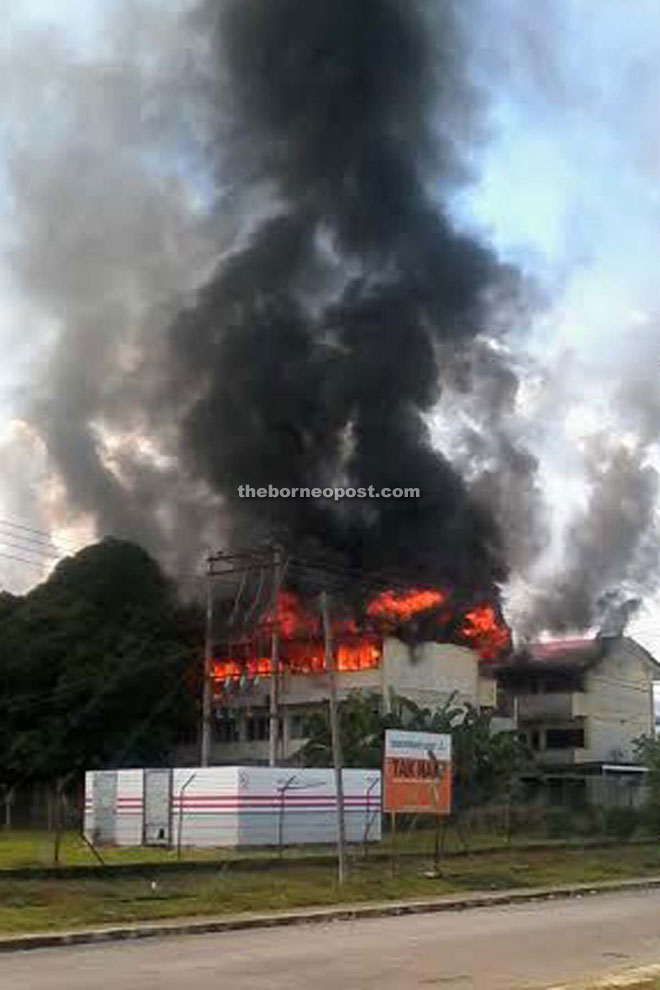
(575, 654)
(564, 653)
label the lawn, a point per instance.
(47, 902)
(20, 850)
(36, 849)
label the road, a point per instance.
(503, 948)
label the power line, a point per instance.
(36, 541)
(37, 533)
(23, 560)
(26, 548)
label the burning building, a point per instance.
(407, 642)
(320, 344)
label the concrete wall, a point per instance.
(428, 674)
(431, 672)
(619, 704)
(309, 689)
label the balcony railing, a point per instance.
(562, 757)
(558, 705)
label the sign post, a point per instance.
(417, 777)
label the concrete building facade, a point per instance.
(427, 673)
(580, 701)
(580, 704)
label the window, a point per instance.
(564, 738)
(297, 724)
(535, 739)
(257, 727)
(226, 730)
(505, 703)
(563, 683)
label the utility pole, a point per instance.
(274, 713)
(336, 741)
(207, 699)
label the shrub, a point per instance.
(621, 822)
(559, 823)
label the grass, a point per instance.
(36, 849)
(20, 850)
(27, 849)
(46, 902)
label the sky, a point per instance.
(565, 184)
(568, 187)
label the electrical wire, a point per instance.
(30, 542)
(12, 544)
(36, 533)
(22, 560)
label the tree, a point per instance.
(486, 765)
(93, 666)
(647, 753)
(360, 728)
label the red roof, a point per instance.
(558, 653)
(564, 649)
(578, 653)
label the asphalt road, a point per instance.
(502, 948)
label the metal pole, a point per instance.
(336, 741)
(393, 837)
(205, 753)
(386, 701)
(182, 794)
(274, 714)
(437, 781)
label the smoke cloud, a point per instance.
(316, 349)
(279, 242)
(107, 239)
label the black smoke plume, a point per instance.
(314, 352)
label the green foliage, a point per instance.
(485, 766)
(647, 753)
(589, 821)
(621, 823)
(88, 660)
(361, 731)
(559, 823)
(362, 726)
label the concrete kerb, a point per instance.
(624, 978)
(348, 912)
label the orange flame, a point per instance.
(365, 654)
(400, 606)
(301, 641)
(303, 658)
(292, 620)
(233, 670)
(485, 632)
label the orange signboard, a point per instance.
(417, 772)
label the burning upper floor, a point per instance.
(412, 615)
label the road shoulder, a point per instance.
(348, 912)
